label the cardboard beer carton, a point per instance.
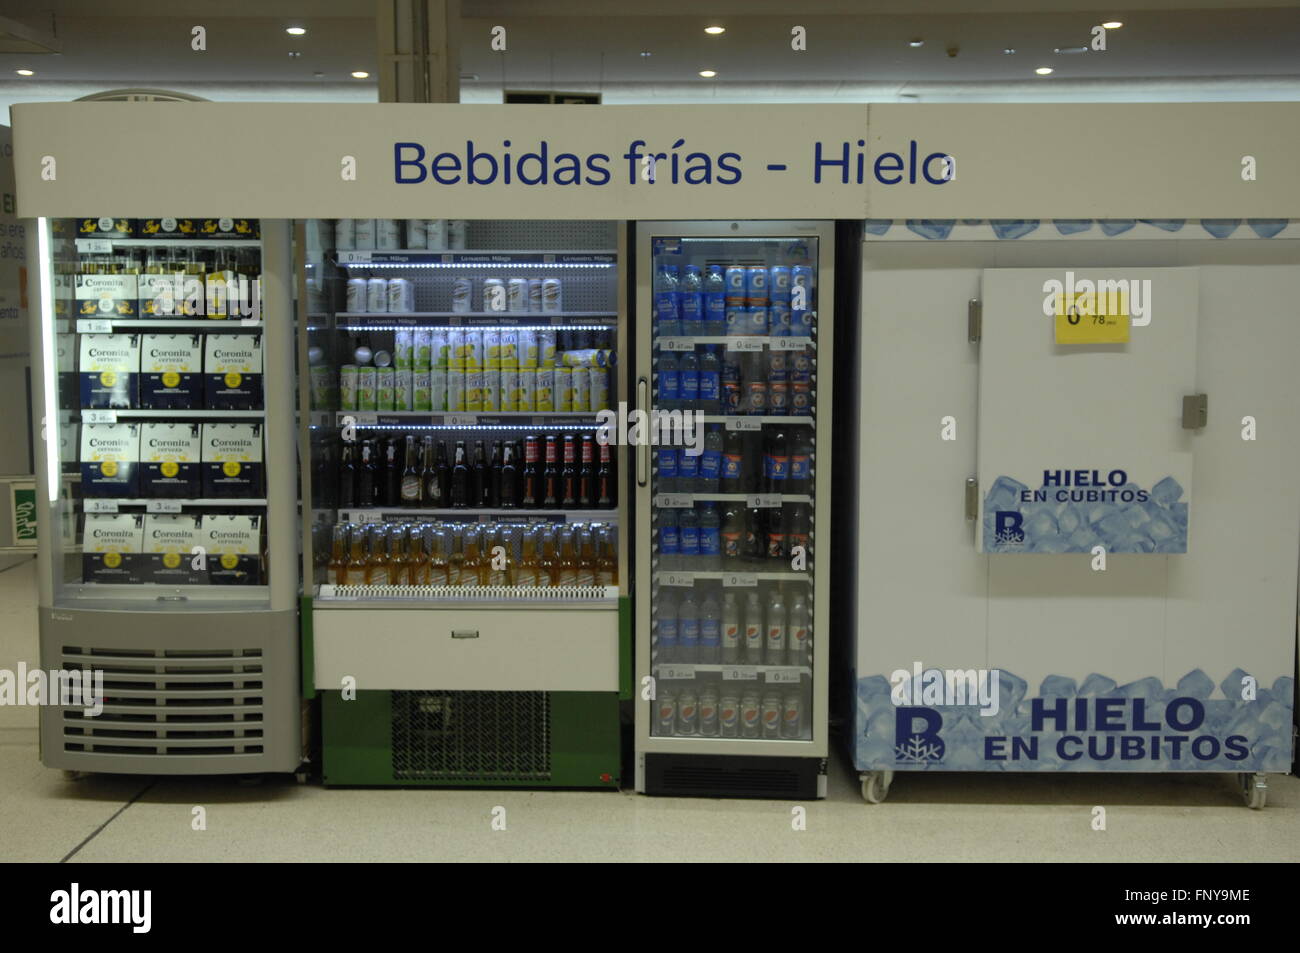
(171, 457)
(111, 546)
(110, 460)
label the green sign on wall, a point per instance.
(23, 503)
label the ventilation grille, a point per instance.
(471, 736)
(732, 776)
(511, 594)
(169, 702)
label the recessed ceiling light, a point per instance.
(708, 73)
(1069, 50)
(715, 30)
(294, 53)
(1041, 71)
(1009, 51)
(915, 43)
(295, 30)
(646, 53)
(362, 74)
(25, 72)
(1112, 25)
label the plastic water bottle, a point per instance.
(710, 632)
(710, 381)
(691, 297)
(668, 641)
(688, 470)
(688, 538)
(751, 642)
(798, 634)
(709, 479)
(731, 629)
(710, 537)
(715, 301)
(667, 477)
(668, 319)
(688, 630)
(774, 638)
(670, 381)
(670, 546)
(689, 377)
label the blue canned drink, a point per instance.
(735, 293)
(779, 282)
(779, 320)
(736, 320)
(756, 285)
(777, 366)
(801, 324)
(778, 398)
(801, 400)
(801, 287)
(756, 321)
(800, 366)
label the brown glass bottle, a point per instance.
(530, 491)
(551, 474)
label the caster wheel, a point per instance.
(875, 786)
(69, 775)
(1254, 790)
(301, 777)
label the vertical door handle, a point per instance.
(642, 448)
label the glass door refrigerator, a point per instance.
(732, 480)
(467, 613)
(168, 579)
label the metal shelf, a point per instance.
(180, 324)
(686, 577)
(136, 413)
(169, 243)
(495, 418)
(475, 258)
(378, 514)
(206, 501)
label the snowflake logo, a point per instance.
(1009, 537)
(916, 750)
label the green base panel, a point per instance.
(471, 739)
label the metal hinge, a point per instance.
(1196, 411)
(972, 498)
(974, 320)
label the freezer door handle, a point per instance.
(642, 448)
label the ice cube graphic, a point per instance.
(1161, 530)
(1012, 228)
(1233, 685)
(1178, 512)
(877, 226)
(1116, 226)
(1069, 520)
(1113, 528)
(872, 686)
(1165, 224)
(1058, 685)
(1220, 227)
(1050, 544)
(1011, 689)
(1096, 684)
(932, 228)
(1083, 539)
(972, 221)
(1099, 511)
(1004, 494)
(1039, 525)
(1284, 688)
(1148, 689)
(1196, 684)
(1266, 227)
(1072, 226)
(1137, 516)
(1166, 491)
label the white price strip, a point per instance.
(744, 423)
(676, 344)
(674, 501)
(95, 246)
(163, 506)
(789, 344)
(676, 579)
(783, 676)
(676, 671)
(99, 416)
(94, 327)
(461, 420)
(763, 501)
(740, 579)
(745, 344)
(740, 673)
(354, 257)
(359, 420)
(101, 506)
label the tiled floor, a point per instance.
(1039, 817)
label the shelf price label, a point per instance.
(89, 326)
(354, 257)
(95, 246)
(783, 676)
(744, 424)
(740, 580)
(739, 673)
(745, 344)
(674, 501)
(676, 344)
(358, 420)
(676, 671)
(163, 506)
(676, 579)
(461, 420)
(763, 501)
(99, 416)
(101, 506)
(789, 344)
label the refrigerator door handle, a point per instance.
(642, 449)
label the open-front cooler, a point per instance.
(733, 489)
(465, 549)
(168, 575)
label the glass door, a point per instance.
(732, 499)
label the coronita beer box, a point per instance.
(171, 460)
(104, 227)
(171, 371)
(105, 296)
(109, 365)
(166, 227)
(110, 455)
(65, 346)
(164, 296)
(248, 228)
(110, 548)
(232, 371)
(233, 547)
(232, 460)
(168, 556)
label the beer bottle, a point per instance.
(551, 475)
(500, 559)
(481, 483)
(377, 562)
(532, 476)
(569, 474)
(528, 572)
(548, 567)
(356, 568)
(444, 474)
(587, 474)
(411, 482)
(606, 489)
(348, 478)
(494, 477)
(566, 566)
(366, 477)
(417, 556)
(398, 560)
(337, 567)
(509, 477)
(471, 562)
(393, 471)
(435, 540)
(460, 478)
(608, 561)
(588, 567)
(430, 485)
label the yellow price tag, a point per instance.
(1090, 318)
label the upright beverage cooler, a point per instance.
(732, 481)
(166, 485)
(466, 607)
